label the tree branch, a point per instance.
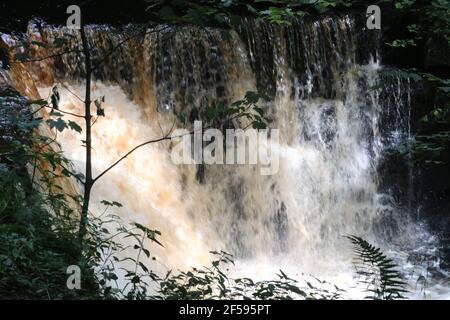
(166, 137)
(130, 152)
(107, 55)
(47, 57)
(66, 112)
(70, 91)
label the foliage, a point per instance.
(220, 114)
(432, 18)
(378, 272)
(214, 283)
(37, 238)
(227, 13)
(427, 148)
(402, 43)
(120, 250)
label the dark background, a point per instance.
(14, 15)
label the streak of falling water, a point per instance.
(330, 147)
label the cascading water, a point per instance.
(327, 104)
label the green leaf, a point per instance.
(112, 204)
(402, 43)
(259, 110)
(40, 102)
(252, 97)
(259, 125)
(143, 266)
(74, 126)
(54, 113)
(58, 124)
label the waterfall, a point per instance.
(324, 81)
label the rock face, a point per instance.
(13, 106)
(424, 187)
(17, 89)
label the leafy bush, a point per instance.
(213, 283)
(37, 235)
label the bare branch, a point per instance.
(95, 121)
(70, 91)
(38, 109)
(66, 112)
(107, 55)
(161, 129)
(128, 153)
(166, 137)
(47, 57)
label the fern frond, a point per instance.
(378, 272)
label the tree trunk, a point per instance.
(87, 105)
